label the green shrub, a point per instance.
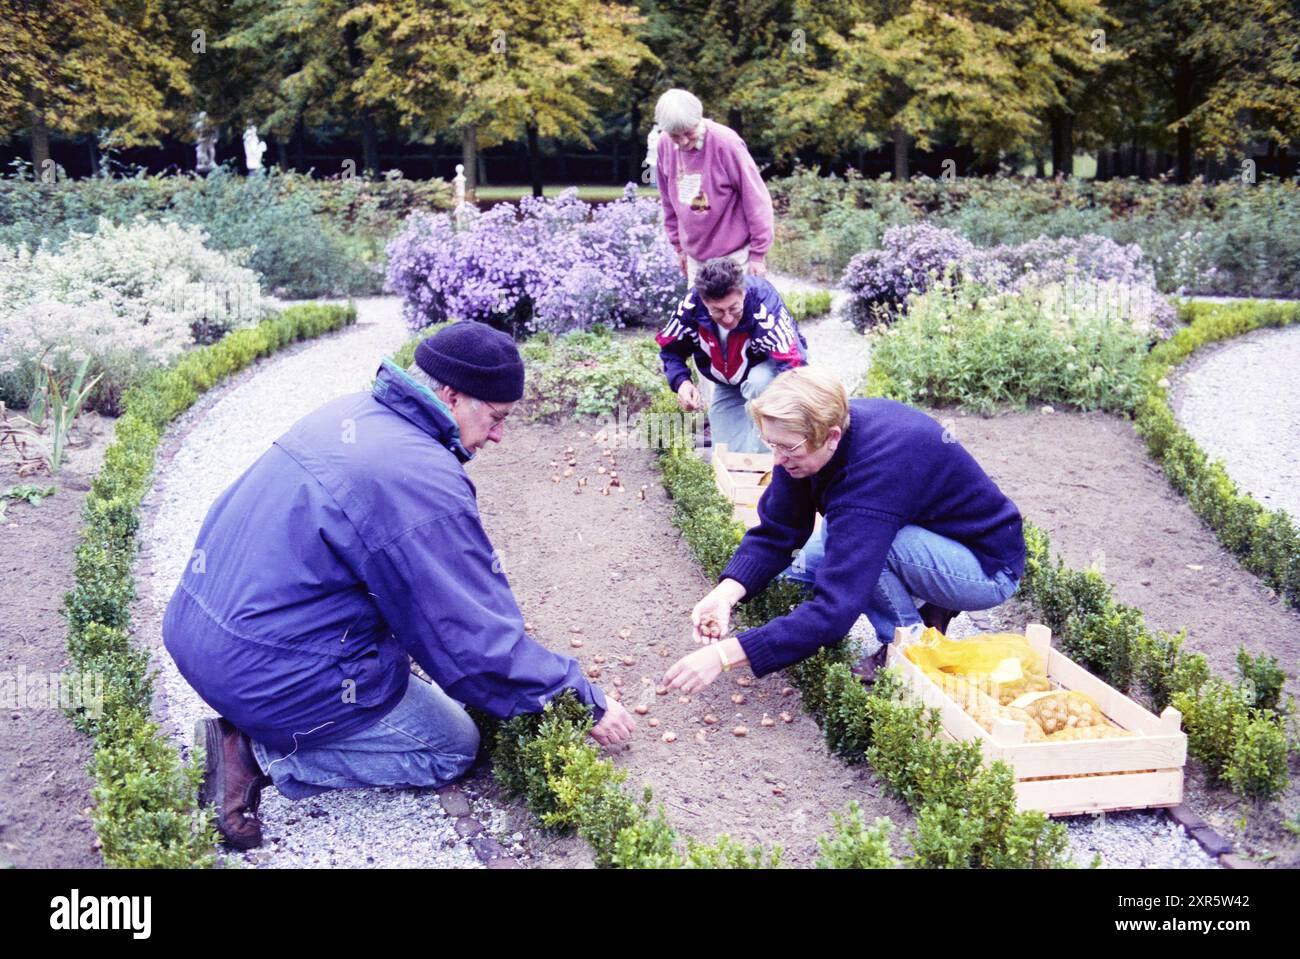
(146, 812)
(546, 759)
(855, 846)
(1257, 768)
(1162, 668)
(807, 304)
(590, 372)
(969, 347)
(1107, 643)
(1211, 715)
(1261, 680)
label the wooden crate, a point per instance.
(742, 478)
(1069, 778)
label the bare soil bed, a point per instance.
(44, 783)
(1087, 480)
(585, 567)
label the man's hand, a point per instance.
(688, 397)
(694, 671)
(757, 268)
(615, 726)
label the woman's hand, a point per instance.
(681, 261)
(757, 268)
(688, 397)
(711, 617)
(694, 671)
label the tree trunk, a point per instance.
(635, 153)
(369, 134)
(534, 160)
(40, 133)
(282, 152)
(1062, 124)
(469, 158)
(617, 161)
(300, 145)
(1183, 80)
(1040, 169)
(736, 121)
(370, 143)
(1103, 165)
(902, 142)
(1143, 164)
(92, 151)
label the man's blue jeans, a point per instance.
(427, 740)
(920, 563)
(729, 419)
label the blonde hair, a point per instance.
(808, 400)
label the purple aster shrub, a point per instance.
(554, 264)
(910, 260)
(1087, 268)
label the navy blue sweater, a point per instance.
(893, 468)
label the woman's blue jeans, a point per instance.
(426, 740)
(729, 419)
(920, 563)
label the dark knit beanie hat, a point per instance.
(475, 359)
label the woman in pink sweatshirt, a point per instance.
(715, 201)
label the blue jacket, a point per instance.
(766, 331)
(353, 541)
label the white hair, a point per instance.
(417, 373)
(678, 111)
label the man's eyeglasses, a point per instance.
(786, 450)
(497, 416)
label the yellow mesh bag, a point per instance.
(1074, 733)
(1002, 664)
(983, 707)
(1062, 709)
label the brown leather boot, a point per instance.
(867, 666)
(936, 616)
(232, 781)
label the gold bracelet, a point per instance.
(726, 666)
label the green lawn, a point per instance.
(584, 192)
(1085, 167)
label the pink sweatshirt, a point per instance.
(715, 200)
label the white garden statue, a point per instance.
(253, 149)
(458, 185)
(459, 181)
(205, 151)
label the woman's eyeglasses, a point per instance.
(786, 450)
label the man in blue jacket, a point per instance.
(353, 542)
(741, 337)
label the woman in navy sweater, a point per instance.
(908, 512)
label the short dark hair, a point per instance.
(718, 277)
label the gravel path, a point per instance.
(832, 340)
(342, 828)
(1240, 404)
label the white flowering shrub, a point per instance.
(128, 297)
